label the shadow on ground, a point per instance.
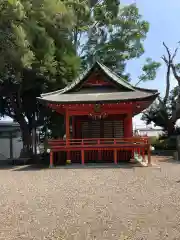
(169, 159)
(37, 167)
(78, 166)
(7, 166)
(32, 167)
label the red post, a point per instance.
(115, 153)
(143, 155)
(51, 160)
(128, 129)
(115, 156)
(67, 134)
(99, 151)
(82, 153)
(73, 127)
(82, 157)
(128, 126)
(149, 155)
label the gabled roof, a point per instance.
(67, 95)
(114, 77)
(99, 97)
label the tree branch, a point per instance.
(138, 82)
(167, 49)
(164, 59)
(175, 73)
(174, 55)
(168, 63)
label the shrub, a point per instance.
(165, 144)
(153, 140)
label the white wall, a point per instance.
(5, 148)
(151, 133)
(17, 146)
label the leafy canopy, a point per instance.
(35, 35)
(36, 55)
(108, 32)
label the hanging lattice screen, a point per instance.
(96, 129)
(118, 129)
(103, 129)
(85, 130)
(108, 129)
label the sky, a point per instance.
(163, 17)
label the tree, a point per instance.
(166, 110)
(108, 32)
(149, 71)
(36, 54)
(40, 41)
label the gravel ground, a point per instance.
(91, 203)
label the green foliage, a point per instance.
(108, 32)
(40, 41)
(162, 114)
(36, 55)
(153, 140)
(35, 35)
(177, 66)
(156, 114)
(149, 70)
(165, 144)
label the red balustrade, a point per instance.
(101, 149)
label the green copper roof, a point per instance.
(127, 93)
(114, 77)
(99, 97)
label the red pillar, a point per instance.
(51, 159)
(128, 126)
(82, 153)
(128, 129)
(67, 133)
(149, 155)
(73, 127)
(115, 156)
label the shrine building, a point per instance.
(99, 106)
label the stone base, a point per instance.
(132, 160)
(51, 166)
(155, 166)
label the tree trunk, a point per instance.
(24, 126)
(27, 139)
(170, 128)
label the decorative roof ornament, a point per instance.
(97, 108)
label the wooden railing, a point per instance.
(139, 145)
(60, 143)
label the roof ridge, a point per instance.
(114, 73)
(114, 76)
